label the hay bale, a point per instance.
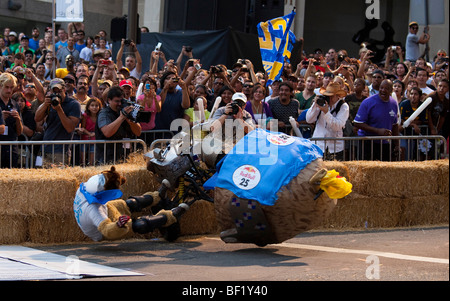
(340, 167)
(36, 191)
(13, 229)
(428, 210)
(54, 228)
(395, 179)
(199, 219)
(359, 211)
(139, 179)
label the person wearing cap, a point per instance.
(329, 117)
(13, 41)
(127, 86)
(378, 116)
(242, 117)
(70, 80)
(412, 52)
(24, 45)
(12, 119)
(61, 117)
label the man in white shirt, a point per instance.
(422, 78)
(329, 113)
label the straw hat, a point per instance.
(333, 89)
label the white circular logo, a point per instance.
(280, 139)
(246, 177)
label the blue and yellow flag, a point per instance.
(276, 41)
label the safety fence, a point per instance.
(384, 148)
(32, 154)
(36, 154)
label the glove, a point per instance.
(123, 219)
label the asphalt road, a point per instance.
(413, 254)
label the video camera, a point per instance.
(137, 114)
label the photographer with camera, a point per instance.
(235, 111)
(115, 122)
(62, 115)
(173, 101)
(329, 113)
(133, 62)
(12, 121)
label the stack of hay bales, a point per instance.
(393, 194)
(37, 205)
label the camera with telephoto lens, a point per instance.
(322, 100)
(55, 99)
(137, 114)
(234, 108)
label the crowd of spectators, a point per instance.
(79, 91)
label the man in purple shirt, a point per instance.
(378, 116)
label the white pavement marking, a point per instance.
(365, 252)
(351, 251)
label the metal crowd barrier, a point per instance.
(413, 148)
(152, 135)
(30, 151)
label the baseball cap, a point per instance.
(413, 23)
(13, 33)
(126, 82)
(57, 83)
(70, 77)
(239, 97)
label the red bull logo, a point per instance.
(281, 139)
(246, 177)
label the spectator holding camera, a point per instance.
(62, 115)
(173, 101)
(10, 121)
(234, 110)
(132, 62)
(114, 122)
(329, 112)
